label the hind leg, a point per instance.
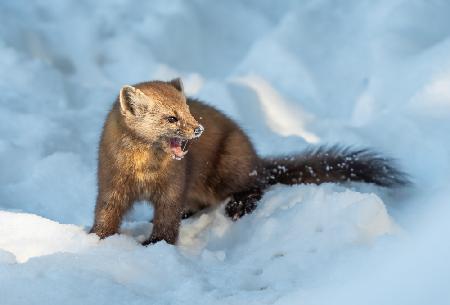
(243, 203)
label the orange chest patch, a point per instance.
(140, 164)
(140, 160)
(144, 167)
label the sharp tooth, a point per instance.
(176, 157)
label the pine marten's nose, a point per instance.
(198, 131)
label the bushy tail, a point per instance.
(332, 164)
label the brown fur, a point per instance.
(135, 162)
(134, 167)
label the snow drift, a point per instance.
(293, 74)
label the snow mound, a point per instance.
(27, 236)
(248, 257)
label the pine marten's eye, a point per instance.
(172, 119)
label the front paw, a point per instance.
(152, 240)
(102, 232)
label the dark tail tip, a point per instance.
(376, 168)
(336, 164)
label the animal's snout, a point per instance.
(198, 131)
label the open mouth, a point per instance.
(179, 148)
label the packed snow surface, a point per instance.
(293, 74)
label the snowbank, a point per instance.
(292, 74)
(291, 241)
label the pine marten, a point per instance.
(143, 155)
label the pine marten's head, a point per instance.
(157, 113)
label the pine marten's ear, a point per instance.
(133, 101)
(178, 84)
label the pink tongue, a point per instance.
(175, 147)
(177, 151)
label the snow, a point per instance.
(293, 74)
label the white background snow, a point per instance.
(293, 74)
